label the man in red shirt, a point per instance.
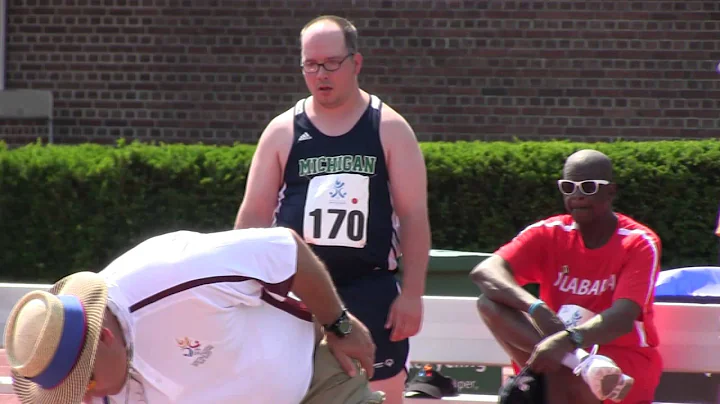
(596, 270)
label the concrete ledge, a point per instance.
(460, 399)
(690, 336)
(5, 385)
(6, 388)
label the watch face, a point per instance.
(345, 327)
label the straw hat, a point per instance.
(51, 339)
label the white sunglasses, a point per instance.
(587, 187)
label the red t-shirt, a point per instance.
(552, 253)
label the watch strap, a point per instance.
(334, 327)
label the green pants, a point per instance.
(332, 385)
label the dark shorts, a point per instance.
(369, 300)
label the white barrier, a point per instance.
(452, 333)
(461, 399)
(5, 385)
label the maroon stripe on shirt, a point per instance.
(288, 305)
(281, 288)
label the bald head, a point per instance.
(588, 165)
(331, 26)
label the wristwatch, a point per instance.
(575, 337)
(341, 327)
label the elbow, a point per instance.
(253, 217)
(479, 277)
(476, 275)
(486, 278)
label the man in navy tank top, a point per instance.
(346, 172)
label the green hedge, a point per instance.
(66, 208)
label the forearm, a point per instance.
(607, 326)
(314, 286)
(415, 247)
(509, 294)
(547, 320)
(497, 284)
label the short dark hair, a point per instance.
(349, 31)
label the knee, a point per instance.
(486, 308)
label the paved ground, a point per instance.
(10, 399)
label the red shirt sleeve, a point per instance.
(638, 275)
(527, 253)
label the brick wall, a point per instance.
(219, 70)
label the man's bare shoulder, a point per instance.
(394, 127)
(391, 116)
(280, 127)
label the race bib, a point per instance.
(336, 210)
(573, 315)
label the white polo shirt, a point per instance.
(210, 320)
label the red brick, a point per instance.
(455, 69)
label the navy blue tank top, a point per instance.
(336, 196)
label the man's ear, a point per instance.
(106, 336)
(358, 59)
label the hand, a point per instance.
(405, 317)
(357, 345)
(549, 353)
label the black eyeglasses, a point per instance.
(330, 65)
(587, 187)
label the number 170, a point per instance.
(355, 223)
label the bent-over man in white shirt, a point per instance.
(188, 317)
